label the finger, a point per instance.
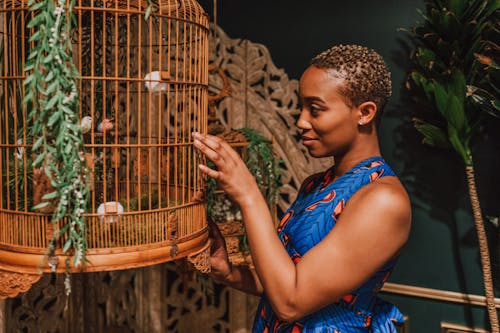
(209, 172)
(213, 155)
(224, 151)
(215, 235)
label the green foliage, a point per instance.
(262, 163)
(52, 97)
(455, 79)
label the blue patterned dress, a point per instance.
(305, 224)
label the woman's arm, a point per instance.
(371, 230)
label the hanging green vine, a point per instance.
(52, 98)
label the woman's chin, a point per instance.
(316, 154)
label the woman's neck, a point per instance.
(345, 162)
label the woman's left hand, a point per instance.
(231, 172)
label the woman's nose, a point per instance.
(302, 122)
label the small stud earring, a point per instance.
(360, 122)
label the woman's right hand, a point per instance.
(221, 267)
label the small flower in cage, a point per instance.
(105, 126)
(153, 82)
(238, 216)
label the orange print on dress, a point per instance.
(297, 328)
(277, 324)
(286, 239)
(368, 321)
(328, 198)
(338, 209)
(375, 164)
(350, 298)
(327, 178)
(309, 186)
(376, 175)
(285, 220)
(296, 258)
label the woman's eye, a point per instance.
(314, 110)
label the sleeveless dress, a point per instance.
(308, 220)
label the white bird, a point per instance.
(86, 124)
(153, 82)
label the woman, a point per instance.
(338, 242)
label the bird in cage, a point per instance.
(86, 124)
(153, 81)
(105, 126)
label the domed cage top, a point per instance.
(142, 92)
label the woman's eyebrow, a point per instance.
(310, 99)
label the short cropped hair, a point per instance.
(363, 70)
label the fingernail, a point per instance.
(195, 134)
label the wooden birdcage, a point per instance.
(142, 91)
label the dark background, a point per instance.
(442, 252)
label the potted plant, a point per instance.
(455, 83)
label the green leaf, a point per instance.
(35, 21)
(148, 12)
(36, 6)
(29, 79)
(68, 148)
(456, 114)
(36, 37)
(426, 57)
(50, 196)
(496, 104)
(457, 86)
(39, 159)
(48, 59)
(41, 205)
(38, 143)
(457, 6)
(441, 98)
(458, 145)
(433, 135)
(52, 87)
(28, 97)
(53, 119)
(49, 76)
(52, 102)
(67, 245)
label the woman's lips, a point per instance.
(307, 140)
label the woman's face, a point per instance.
(329, 125)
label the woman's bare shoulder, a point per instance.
(385, 197)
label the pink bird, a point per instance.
(105, 126)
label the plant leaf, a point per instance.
(50, 196)
(433, 135)
(455, 114)
(41, 205)
(441, 98)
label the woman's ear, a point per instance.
(366, 112)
